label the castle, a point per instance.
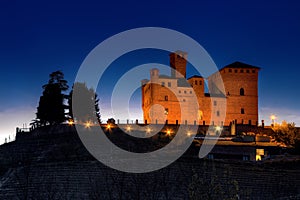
(234, 87)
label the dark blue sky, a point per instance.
(38, 38)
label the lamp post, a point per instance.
(273, 117)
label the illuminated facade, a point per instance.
(164, 96)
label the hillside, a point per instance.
(52, 163)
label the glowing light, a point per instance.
(148, 130)
(218, 128)
(273, 117)
(259, 154)
(70, 122)
(128, 128)
(188, 133)
(108, 126)
(88, 124)
(168, 132)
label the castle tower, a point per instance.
(197, 82)
(241, 90)
(154, 75)
(178, 62)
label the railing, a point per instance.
(21, 130)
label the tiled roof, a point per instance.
(196, 76)
(165, 76)
(182, 82)
(239, 65)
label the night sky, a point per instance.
(38, 38)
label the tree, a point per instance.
(85, 113)
(286, 133)
(51, 109)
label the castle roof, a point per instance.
(165, 76)
(182, 82)
(196, 76)
(239, 65)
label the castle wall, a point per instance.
(233, 96)
(241, 89)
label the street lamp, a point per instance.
(273, 117)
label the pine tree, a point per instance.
(51, 109)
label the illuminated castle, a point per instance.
(163, 96)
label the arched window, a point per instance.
(242, 92)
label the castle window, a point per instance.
(218, 113)
(184, 91)
(183, 100)
(191, 92)
(200, 82)
(200, 114)
(196, 82)
(230, 70)
(169, 84)
(163, 84)
(179, 91)
(242, 71)
(248, 71)
(166, 98)
(242, 92)
(253, 71)
(235, 71)
(242, 111)
(166, 111)
(215, 103)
